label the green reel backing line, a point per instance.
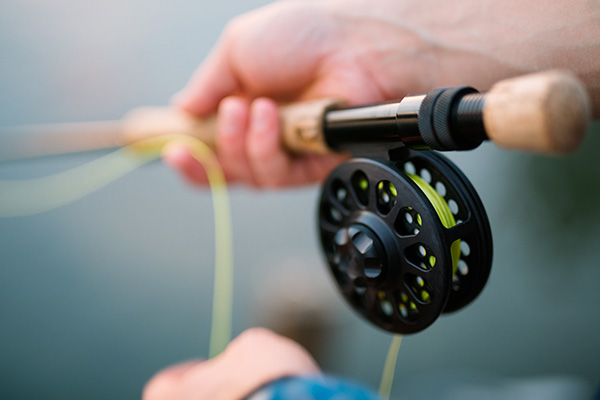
(406, 240)
(445, 214)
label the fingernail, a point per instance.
(229, 123)
(173, 153)
(260, 112)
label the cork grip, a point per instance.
(301, 125)
(546, 112)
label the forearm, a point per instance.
(433, 43)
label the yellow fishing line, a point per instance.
(447, 218)
(32, 196)
(387, 377)
(443, 211)
(20, 198)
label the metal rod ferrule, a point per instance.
(382, 125)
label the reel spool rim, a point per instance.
(481, 268)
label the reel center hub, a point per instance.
(360, 254)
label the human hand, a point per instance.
(364, 52)
(254, 358)
(284, 52)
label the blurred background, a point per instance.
(97, 296)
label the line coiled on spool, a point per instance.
(443, 211)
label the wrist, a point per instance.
(313, 388)
(387, 42)
(415, 46)
(258, 356)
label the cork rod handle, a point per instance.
(546, 112)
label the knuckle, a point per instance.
(257, 151)
(252, 338)
(253, 335)
(270, 180)
(235, 25)
(276, 182)
(158, 387)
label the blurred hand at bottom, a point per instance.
(255, 358)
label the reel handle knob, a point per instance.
(544, 112)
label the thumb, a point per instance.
(212, 81)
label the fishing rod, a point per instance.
(544, 112)
(403, 230)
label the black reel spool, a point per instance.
(387, 247)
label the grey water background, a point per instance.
(97, 296)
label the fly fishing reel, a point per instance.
(403, 230)
(406, 238)
(405, 234)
